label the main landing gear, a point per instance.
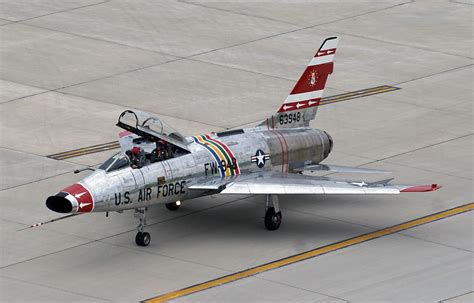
(272, 213)
(142, 238)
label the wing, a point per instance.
(283, 184)
(340, 169)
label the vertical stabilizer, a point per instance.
(302, 103)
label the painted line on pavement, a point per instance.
(324, 101)
(311, 254)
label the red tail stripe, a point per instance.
(321, 72)
(299, 105)
(330, 51)
(282, 151)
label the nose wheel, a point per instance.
(272, 213)
(142, 238)
(173, 206)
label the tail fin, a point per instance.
(302, 103)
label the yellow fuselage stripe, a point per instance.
(311, 253)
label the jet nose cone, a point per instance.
(74, 198)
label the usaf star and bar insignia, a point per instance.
(260, 158)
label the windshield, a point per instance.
(115, 162)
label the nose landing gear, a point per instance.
(272, 213)
(173, 206)
(142, 238)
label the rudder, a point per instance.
(302, 103)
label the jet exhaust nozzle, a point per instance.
(328, 144)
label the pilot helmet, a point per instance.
(136, 150)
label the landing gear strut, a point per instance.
(272, 213)
(142, 238)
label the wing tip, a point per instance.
(421, 188)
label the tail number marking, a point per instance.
(290, 118)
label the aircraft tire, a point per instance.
(272, 219)
(143, 239)
(172, 206)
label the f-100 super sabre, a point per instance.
(158, 165)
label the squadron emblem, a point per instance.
(260, 158)
(313, 78)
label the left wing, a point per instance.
(340, 169)
(283, 184)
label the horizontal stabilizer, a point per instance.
(341, 169)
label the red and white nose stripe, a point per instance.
(309, 88)
(80, 197)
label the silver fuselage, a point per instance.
(168, 181)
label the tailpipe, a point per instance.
(328, 144)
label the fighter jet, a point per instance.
(158, 165)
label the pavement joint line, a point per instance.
(123, 106)
(370, 227)
(437, 243)
(449, 299)
(236, 13)
(333, 99)
(372, 161)
(329, 30)
(179, 58)
(55, 288)
(420, 148)
(34, 181)
(57, 12)
(312, 253)
(304, 289)
(457, 2)
(100, 240)
(24, 97)
(445, 110)
(285, 22)
(437, 73)
(115, 145)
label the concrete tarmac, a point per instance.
(69, 68)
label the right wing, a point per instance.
(283, 184)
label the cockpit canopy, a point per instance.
(150, 127)
(148, 139)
